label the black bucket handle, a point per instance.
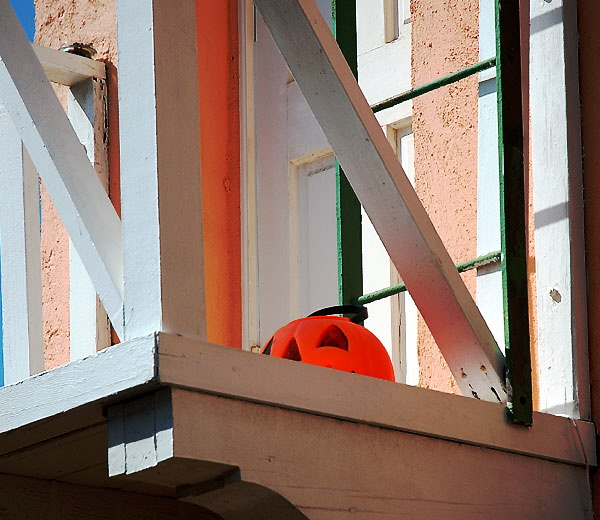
(360, 312)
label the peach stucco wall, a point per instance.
(444, 40)
(59, 22)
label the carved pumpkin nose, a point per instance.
(332, 342)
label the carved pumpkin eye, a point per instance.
(333, 337)
(292, 351)
(267, 348)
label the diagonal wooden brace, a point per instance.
(88, 215)
(308, 47)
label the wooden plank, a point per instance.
(558, 205)
(333, 469)
(89, 327)
(247, 500)
(390, 201)
(140, 433)
(55, 458)
(121, 368)
(191, 364)
(249, 233)
(26, 498)
(80, 199)
(160, 168)
(67, 69)
(22, 337)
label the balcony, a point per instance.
(166, 423)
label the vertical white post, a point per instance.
(21, 265)
(89, 329)
(160, 168)
(558, 205)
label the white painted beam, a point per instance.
(22, 335)
(563, 375)
(89, 328)
(160, 168)
(70, 179)
(140, 433)
(67, 69)
(368, 159)
(127, 367)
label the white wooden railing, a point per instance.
(37, 138)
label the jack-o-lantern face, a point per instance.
(334, 342)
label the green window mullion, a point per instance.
(512, 212)
(348, 211)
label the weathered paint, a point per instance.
(512, 211)
(445, 40)
(218, 87)
(58, 22)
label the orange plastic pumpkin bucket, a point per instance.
(333, 342)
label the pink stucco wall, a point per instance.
(59, 22)
(444, 40)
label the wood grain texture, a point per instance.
(558, 205)
(296, 386)
(332, 469)
(387, 195)
(140, 433)
(116, 369)
(67, 69)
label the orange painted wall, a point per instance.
(61, 21)
(218, 80)
(444, 40)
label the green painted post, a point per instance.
(513, 216)
(349, 234)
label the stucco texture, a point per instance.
(444, 40)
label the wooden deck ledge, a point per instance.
(211, 426)
(148, 363)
